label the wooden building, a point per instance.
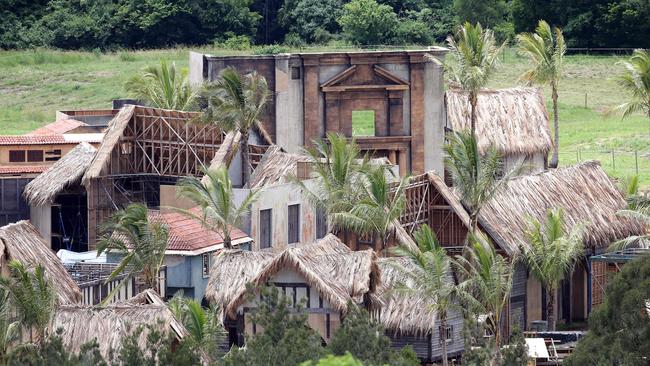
(392, 101)
(588, 197)
(145, 150)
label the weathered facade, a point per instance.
(316, 93)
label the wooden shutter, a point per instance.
(293, 224)
(265, 228)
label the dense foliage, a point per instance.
(112, 24)
(619, 328)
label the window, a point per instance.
(265, 229)
(206, 265)
(16, 156)
(363, 123)
(447, 334)
(367, 239)
(295, 73)
(53, 155)
(34, 155)
(293, 224)
(321, 223)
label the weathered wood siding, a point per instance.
(518, 298)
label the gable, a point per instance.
(364, 76)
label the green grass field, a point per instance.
(35, 84)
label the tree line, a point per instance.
(117, 24)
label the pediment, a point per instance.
(364, 77)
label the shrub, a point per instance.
(234, 42)
(272, 49)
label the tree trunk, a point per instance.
(556, 129)
(550, 310)
(473, 100)
(227, 242)
(443, 339)
(245, 156)
(497, 341)
(473, 222)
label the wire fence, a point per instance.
(616, 162)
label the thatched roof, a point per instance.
(584, 192)
(115, 130)
(111, 324)
(64, 173)
(328, 265)
(275, 167)
(227, 150)
(402, 312)
(514, 120)
(22, 242)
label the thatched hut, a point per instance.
(21, 241)
(588, 197)
(325, 275)
(59, 187)
(109, 325)
(514, 120)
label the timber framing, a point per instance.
(144, 148)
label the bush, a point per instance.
(413, 31)
(235, 42)
(504, 32)
(365, 22)
(273, 49)
(364, 338)
(286, 339)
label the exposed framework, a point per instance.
(142, 150)
(426, 204)
(603, 266)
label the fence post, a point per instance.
(577, 156)
(636, 161)
(585, 100)
(613, 161)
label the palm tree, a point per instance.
(545, 51)
(638, 208)
(215, 198)
(202, 324)
(635, 81)
(429, 275)
(378, 207)
(33, 297)
(142, 242)
(236, 103)
(475, 56)
(486, 281)
(552, 254)
(163, 87)
(9, 330)
(478, 177)
(337, 167)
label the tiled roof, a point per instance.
(58, 127)
(32, 140)
(187, 234)
(20, 169)
(52, 139)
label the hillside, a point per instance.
(34, 84)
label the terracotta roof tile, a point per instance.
(58, 127)
(32, 140)
(19, 169)
(187, 234)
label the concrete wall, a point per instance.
(278, 198)
(41, 218)
(197, 63)
(434, 116)
(4, 152)
(289, 101)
